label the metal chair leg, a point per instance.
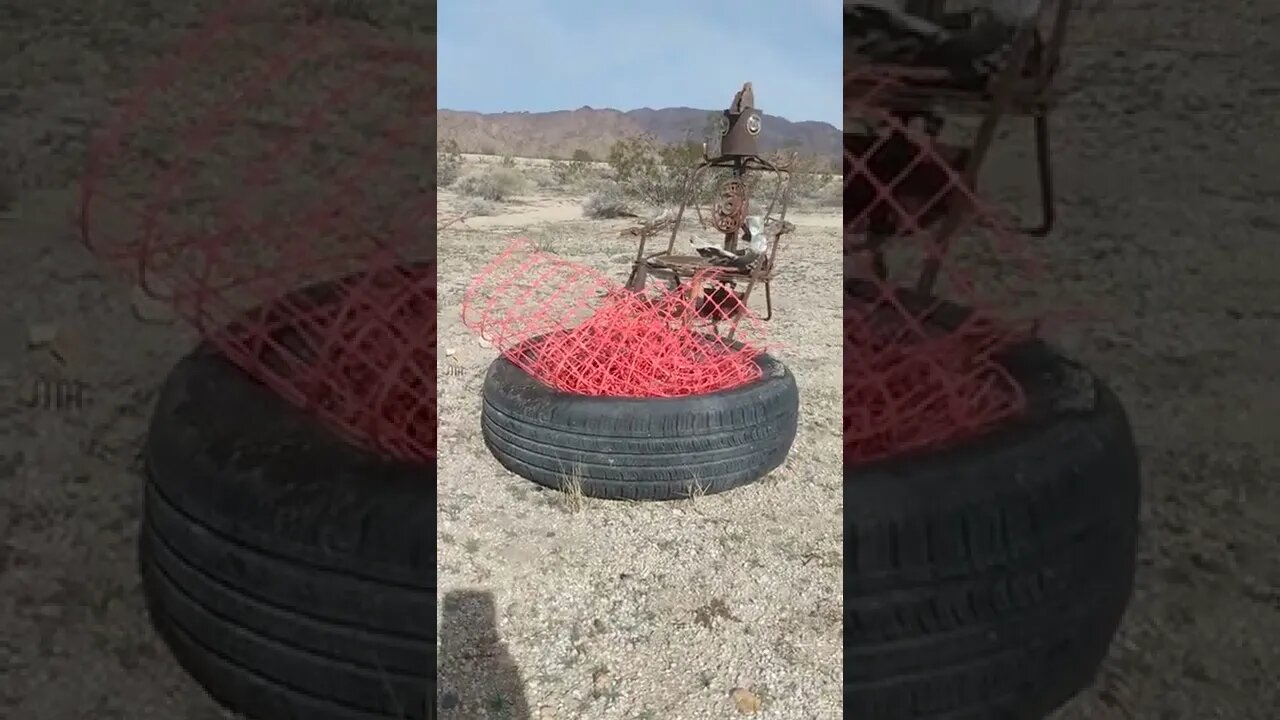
(879, 266)
(638, 278)
(873, 247)
(1001, 91)
(950, 225)
(1044, 166)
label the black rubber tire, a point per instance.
(640, 448)
(291, 573)
(986, 581)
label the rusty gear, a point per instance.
(730, 207)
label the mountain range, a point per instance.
(559, 134)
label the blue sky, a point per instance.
(540, 55)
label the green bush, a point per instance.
(652, 172)
(607, 200)
(808, 178)
(448, 163)
(570, 173)
(832, 195)
(479, 207)
(542, 178)
(492, 183)
(581, 155)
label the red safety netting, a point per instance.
(271, 181)
(579, 331)
(920, 371)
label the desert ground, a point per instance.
(643, 610)
(1167, 167)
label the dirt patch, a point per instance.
(683, 602)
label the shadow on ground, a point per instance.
(476, 677)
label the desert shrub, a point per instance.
(655, 174)
(492, 183)
(571, 173)
(542, 178)
(607, 200)
(507, 161)
(808, 177)
(448, 163)
(652, 172)
(829, 195)
(581, 155)
(479, 207)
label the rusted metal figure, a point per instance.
(740, 128)
(1024, 87)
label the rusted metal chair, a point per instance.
(739, 153)
(1023, 87)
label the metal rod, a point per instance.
(1044, 163)
(1001, 97)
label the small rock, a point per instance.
(450, 352)
(546, 712)
(484, 343)
(41, 335)
(746, 701)
(601, 681)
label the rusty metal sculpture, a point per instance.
(730, 209)
(1018, 79)
(755, 264)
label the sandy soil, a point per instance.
(1168, 184)
(1168, 180)
(550, 210)
(633, 610)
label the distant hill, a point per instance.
(558, 134)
